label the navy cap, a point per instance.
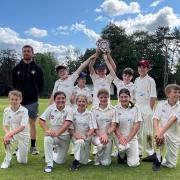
(101, 66)
(82, 75)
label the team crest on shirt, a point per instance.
(52, 117)
(18, 72)
(33, 72)
(163, 110)
(64, 117)
(119, 114)
(97, 115)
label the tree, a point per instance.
(48, 63)
(8, 59)
(169, 43)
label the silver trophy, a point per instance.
(103, 45)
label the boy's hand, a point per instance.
(50, 133)
(98, 51)
(105, 56)
(7, 138)
(79, 136)
(93, 57)
(122, 140)
(104, 138)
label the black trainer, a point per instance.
(151, 158)
(121, 160)
(75, 165)
(156, 165)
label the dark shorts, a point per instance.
(33, 110)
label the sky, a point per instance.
(61, 26)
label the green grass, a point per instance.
(34, 168)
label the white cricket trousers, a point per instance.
(22, 153)
(81, 150)
(146, 129)
(132, 152)
(171, 155)
(103, 151)
(60, 145)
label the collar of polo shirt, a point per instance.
(107, 108)
(120, 106)
(177, 104)
(19, 110)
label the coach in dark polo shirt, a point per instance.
(28, 78)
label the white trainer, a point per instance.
(5, 165)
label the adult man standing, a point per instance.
(28, 78)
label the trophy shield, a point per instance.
(103, 45)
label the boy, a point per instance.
(99, 78)
(65, 83)
(82, 89)
(145, 97)
(126, 82)
(56, 135)
(16, 128)
(166, 125)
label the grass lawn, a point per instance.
(34, 168)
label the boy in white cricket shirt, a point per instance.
(82, 89)
(82, 130)
(16, 128)
(105, 118)
(167, 128)
(145, 98)
(126, 83)
(65, 83)
(57, 136)
(99, 78)
(128, 118)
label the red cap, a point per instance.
(144, 62)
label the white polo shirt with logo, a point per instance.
(120, 85)
(56, 117)
(83, 122)
(66, 86)
(145, 88)
(100, 83)
(104, 117)
(163, 113)
(126, 118)
(16, 119)
(83, 91)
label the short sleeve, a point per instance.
(93, 77)
(69, 116)
(153, 92)
(46, 114)
(109, 78)
(117, 82)
(138, 115)
(74, 76)
(92, 122)
(55, 89)
(177, 115)
(116, 116)
(158, 110)
(89, 96)
(25, 118)
(6, 122)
